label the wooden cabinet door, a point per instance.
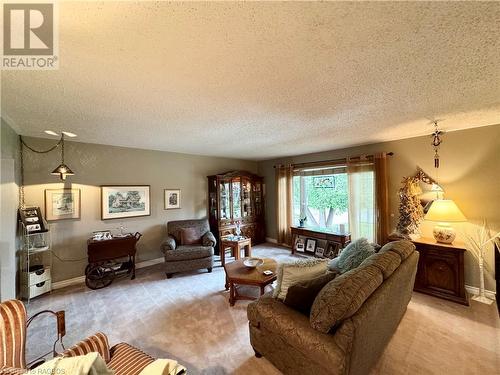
(441, 272)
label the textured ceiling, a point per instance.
(260, 80)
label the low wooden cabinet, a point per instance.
(441, 270)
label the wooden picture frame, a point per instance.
(62, 204)
(319, 252)
(332, 250)
(311, 245)
(125, 201)
(172, 199)
(300, 244)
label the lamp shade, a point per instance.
(444, 210)
(62, 171)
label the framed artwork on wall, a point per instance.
(62, 204)
(123, 201)
(172, 199)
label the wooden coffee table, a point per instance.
(238, 274)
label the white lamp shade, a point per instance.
(444, 210)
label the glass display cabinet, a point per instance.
(234, 198)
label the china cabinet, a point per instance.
(236, 206)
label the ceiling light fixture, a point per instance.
(62, 169)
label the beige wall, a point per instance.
(469, 173)
(97, 165)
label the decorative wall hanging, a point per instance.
(410, 209)
(172, 199)
(61, 204)
(122, 201)
(436, 142)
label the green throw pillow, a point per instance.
(301, 296)
(352, 256)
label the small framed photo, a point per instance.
(122, 201)
(332, 250)
(300, 244)
(310, 245)
(320, 251)
(172, 199)
(62, 204)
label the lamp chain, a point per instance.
(23, 144)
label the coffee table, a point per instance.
(238, 274)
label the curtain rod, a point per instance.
(341, 160)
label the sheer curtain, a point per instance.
(368, 198)
(284, 176)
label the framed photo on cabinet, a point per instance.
(123, 201)
(62, 204)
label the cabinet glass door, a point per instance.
(246, 197)
(225, 208)
(236, 187)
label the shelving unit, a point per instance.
(35, 257)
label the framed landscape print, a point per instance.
(172, 198)
(122, 201)
(62, 204)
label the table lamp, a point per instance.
(444, 211)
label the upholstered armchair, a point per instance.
(189, 246)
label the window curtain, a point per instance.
(284, 175)
(368, 198)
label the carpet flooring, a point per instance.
(188, 318)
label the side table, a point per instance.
(235, 246)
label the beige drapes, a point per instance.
(284, 175)
(381, 164)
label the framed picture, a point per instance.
(327, 182)
(300, 243)
(310, 245)
(320, 251)
(62, 204)
(172, 198)
(32, 219)
(332, 250)
(122, 201)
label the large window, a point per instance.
(327, 196)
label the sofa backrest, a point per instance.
(174, 227)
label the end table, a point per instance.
(235, 246)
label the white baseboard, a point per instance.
(81, 279)
(271, 240)
(475, 291)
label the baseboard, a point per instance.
(475, 291)
(81, 279)
(271, 240)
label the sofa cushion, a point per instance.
(301, 296)
(300, 270)
(188, 253)
(387, 262)
(403, 248)
(190, 236)
(128, 360)
(343, 296)
(352, 256)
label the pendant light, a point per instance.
(62, 170)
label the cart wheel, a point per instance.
(99, 277)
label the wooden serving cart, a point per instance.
(105, 259)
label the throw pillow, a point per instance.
(301, 296)
(190, 236)
(353, 255)
(291, 273)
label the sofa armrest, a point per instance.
(96, 343)
(12, 371)
(208, 239)
(273, 317)
(168, 244)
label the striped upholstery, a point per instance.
(127, 360)
(12, 334)
(11, 371)
(96, 343)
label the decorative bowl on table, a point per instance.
(253, 262)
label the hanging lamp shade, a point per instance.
(62, 171)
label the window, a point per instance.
(328, 195)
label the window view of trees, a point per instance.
(324, 206)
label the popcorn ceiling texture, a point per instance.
(262, 80)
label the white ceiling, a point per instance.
(261, 80)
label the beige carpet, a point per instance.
(188, 318)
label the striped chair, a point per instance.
(12, 337)
(123, 358)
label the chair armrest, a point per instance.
(96, 343)
(208, 239)
(168, 244)
(12, 371)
